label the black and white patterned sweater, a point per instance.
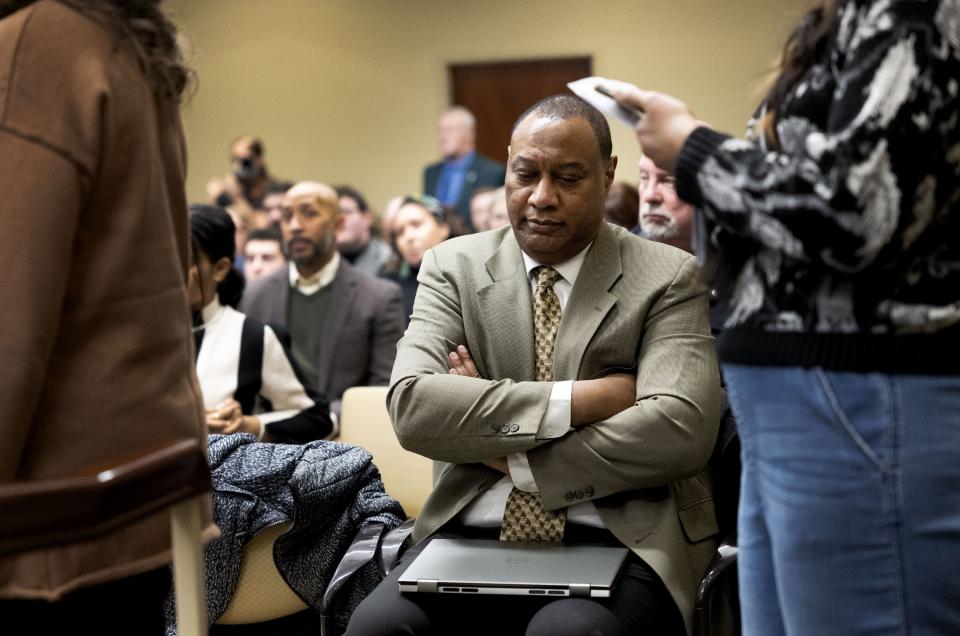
(844, 245)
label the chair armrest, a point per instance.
(362, 550)
(725, 558)
(392, 543)
(55, 511)
(723, 565)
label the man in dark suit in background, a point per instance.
(453, 180)
(343, 324)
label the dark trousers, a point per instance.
(132, 606)
(640, 605)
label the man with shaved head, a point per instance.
(343, 324)
(561, 374)
(453, 180)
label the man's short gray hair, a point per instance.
(464, 113)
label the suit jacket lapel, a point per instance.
(505, 304)
(343, 289)
(279, 308)
(589, 303)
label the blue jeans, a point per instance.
(849, 517)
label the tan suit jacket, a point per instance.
(635, 305)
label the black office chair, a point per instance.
(717, 607)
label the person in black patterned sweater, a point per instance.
(834, 231)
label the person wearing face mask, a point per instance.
(420, 224)
(249, 381)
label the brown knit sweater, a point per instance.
(96, 346)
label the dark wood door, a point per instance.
(498, 92)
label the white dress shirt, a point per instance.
(486, 511)
(308, 285)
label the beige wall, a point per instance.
(347, 91)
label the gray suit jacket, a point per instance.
(359, 341)
(636, 304)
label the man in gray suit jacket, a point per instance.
(343, 324)
(617, 443)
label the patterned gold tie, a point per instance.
(525, 518)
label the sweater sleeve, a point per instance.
(42, 191)
(858, 186)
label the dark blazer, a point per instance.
(636, 304)
(482, 172)
(359, 341)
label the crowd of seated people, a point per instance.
(560, 372)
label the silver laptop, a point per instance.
(484, 566)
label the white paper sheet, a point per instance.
(586, 89)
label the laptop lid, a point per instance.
(484, 566)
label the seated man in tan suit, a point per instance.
(563, 368)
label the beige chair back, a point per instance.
(261, 593)
(365, 422)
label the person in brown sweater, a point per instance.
(96, 346)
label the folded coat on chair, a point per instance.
(325, 489)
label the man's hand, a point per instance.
(228, 419)
(462, 364)
(596, 400)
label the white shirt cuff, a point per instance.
(520, 472)
(556, 423)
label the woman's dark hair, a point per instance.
(151, 31)
(433, 207)
(212, 233)
(805, 45)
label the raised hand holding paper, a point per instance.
(597, 91)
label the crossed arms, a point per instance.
(663, 432)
